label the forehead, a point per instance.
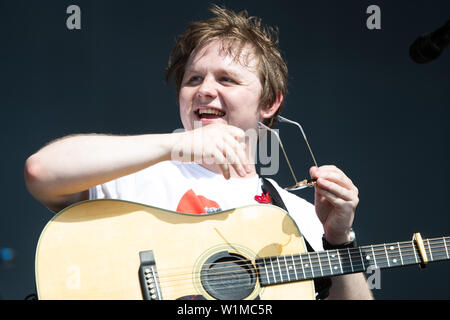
(233, 56)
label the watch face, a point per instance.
(352, 235)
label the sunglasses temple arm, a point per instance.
(283, 119)
(282, 148)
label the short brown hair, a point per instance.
(226, 25)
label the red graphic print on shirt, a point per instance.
(192, 203)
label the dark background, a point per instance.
(365, 106)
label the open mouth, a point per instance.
(209, 113)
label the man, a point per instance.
(229, 76)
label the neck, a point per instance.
(311, 265)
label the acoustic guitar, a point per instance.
(114, 249)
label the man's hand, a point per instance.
(219, 144)
(336, 198)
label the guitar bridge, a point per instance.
(148, 276)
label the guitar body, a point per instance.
(91, 250)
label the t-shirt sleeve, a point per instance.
(148, 186)
(120, 188)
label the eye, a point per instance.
(195, 78)
(227, 80)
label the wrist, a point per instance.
(179, 146)
(347, 240)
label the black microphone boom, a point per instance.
(429, 47)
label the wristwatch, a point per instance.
(345, 245)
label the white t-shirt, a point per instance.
(190, 188)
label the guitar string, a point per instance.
(275, 275)
(220, 277)
(187, 283)
(277, 280)
(314, 260)
(410, 247)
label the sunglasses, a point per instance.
(298, 184)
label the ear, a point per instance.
(269, 112)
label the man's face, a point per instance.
(218, 89)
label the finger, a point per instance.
(334, 174)
(221, 161)
(338, 178)
(336, 189)
(313, 172)
(213, 154)
(325, 168)
(233, 159)
(332, 198)
(225, 170)
(241, 152)
(237, 133)
(319, 198)
(222, 154)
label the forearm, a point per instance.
(350, 287)
(76, 163)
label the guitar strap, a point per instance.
(322, 285)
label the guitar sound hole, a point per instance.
(228, 276)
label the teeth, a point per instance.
(211, 111)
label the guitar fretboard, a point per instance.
(311, 265)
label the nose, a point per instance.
(208, 88)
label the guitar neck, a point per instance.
(312, 265)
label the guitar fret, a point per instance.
(338, 263)
(287, 269)
(276, 270)
(320, 264)
(385, 252)
(279, 268)
(295, 269)
(329, 262)
(301, 265)
(392, 254)
(350, 257)
(400, 251)
(343, 261)
(445, 245)
(356, 261)
(438, 249)
(324, 263)
(310, 265)
(273, 271)
(367, 257)
(362, 259)
(267, 271)
(429, 249)
(339, 258)
(409, 258)
(374, 258)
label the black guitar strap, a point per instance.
(321, 285)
